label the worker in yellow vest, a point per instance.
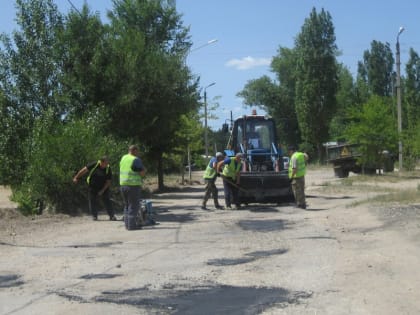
(231, 168)
(210, 176)
(297, 172)
(132, 172)
(99, 182)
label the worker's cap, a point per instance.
(291, 148)
(219, 154)
(239, 155)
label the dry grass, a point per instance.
(399, 188)
(403, 197)
(172, 182)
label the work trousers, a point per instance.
(131, 198)
(94, 202)
(211, 190)
(298, 187)
(231, 192)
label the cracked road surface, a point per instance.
(338, 257)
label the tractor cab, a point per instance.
(263, 177)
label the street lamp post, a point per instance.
(400, 163)
(206, 143)
(204, 45)
(212, 41)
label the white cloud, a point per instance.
(248, 63)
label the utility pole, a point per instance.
(400, 158)
(206, 141)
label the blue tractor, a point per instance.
(263, 177)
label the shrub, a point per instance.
(57, 152)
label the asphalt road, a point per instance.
(334, 258)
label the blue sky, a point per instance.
(249, 33)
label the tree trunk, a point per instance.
(160, 171)
(321, 153)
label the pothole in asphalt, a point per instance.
(201, 299)
(317, 238)
(102, 244)
(243, 260)
(264, 225)
(204, 300)
(266, 253)
(264, 208)
(100, 276)
(72, 297)
(230, 261)
(9, 281)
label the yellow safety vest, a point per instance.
(210, 172)
(127, 176)
(230, 170)
(300, 164)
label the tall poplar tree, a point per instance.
(316, 78)
(412, 90)
(346, 98)
(33, 56)
(376, 69)
(29, 81)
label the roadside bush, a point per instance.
(411, 147)
(57, 152)
(201, 162)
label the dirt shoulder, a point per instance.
(5, 202)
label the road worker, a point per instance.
(297, 172)
(210, 176)
(230, 169)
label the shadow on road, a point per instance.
(172, 217)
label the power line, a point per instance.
(74, 7)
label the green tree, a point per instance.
(266, 93)
(15, 134)
(155, 87)
(412, 91)
(59, 150)
(411, 146)
(361, 86)
(277, 98)
(29, 79)
(346, 98)
(85, 61)
(220, 138)
(33, 56)
(284, 66)
(212, 107)
(372, 127)
(189, 135)
(316, 78)
(376, 69)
